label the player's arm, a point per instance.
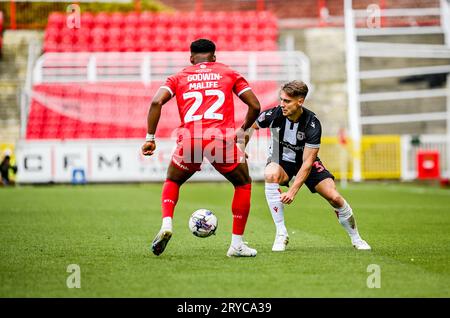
(249, 98)
(313, 135)
(309, 156)
(264, 120)
(154, 113)
(248, 136)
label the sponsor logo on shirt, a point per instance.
(262, 117)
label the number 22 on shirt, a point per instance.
(211, 112)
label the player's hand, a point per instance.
(241, 147)
(148, 148)
(240, 139)
(287, 197)
(239, 135)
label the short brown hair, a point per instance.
(295, 89)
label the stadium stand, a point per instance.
(305, 9)
(109, 110)
(146, 31)
(116, 107)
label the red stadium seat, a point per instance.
(183, 21)
(102, 20)
(129, 44)
(53, 38)
(205, 31)
(147, 19)
(50, 46)
(97, 45)
(252, 30)
(107, 119)
(115, 33)
(131, 20)
(67, 36)
(144, 32)
(57, 20)
(99, 34)
(113, 44)
(129, 33)
(156, 32)
(82, 36)
(117, 20)
(163, 20)
(144, 44)
(270, 33)
(52, 31)
(87, 20)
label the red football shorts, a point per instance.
(224, 155)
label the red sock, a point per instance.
(169, 198)
(241, 207)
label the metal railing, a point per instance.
(357, 49)
(157, 66)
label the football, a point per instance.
(203, 223)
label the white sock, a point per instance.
(236, 240)
(347, 220)
(273, 197)
(167, 223)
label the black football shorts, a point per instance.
(317, 174)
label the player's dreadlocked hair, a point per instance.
(295, 89)
(203, 46)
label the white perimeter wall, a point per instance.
(112, 161)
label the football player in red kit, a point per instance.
(204, 94)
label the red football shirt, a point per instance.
(204, 95)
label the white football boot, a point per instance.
(281, 240)
(241, 251)
(160, 241)
(361, 245)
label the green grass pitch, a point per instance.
(107, 230)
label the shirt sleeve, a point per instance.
(171, 85)
(313, 133)
(266, 118)
(241, 85)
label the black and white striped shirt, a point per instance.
(288, 139)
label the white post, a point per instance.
(24, 101)
(31, 57)
(92, 69)
(290, 43)
(352, 64)
(25, 93)
(37, 71)
(445, 20)
(343, 166)
(145, 70)
(252, 67)
(405, 144)
(447, 172)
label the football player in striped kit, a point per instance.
(295, 143)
